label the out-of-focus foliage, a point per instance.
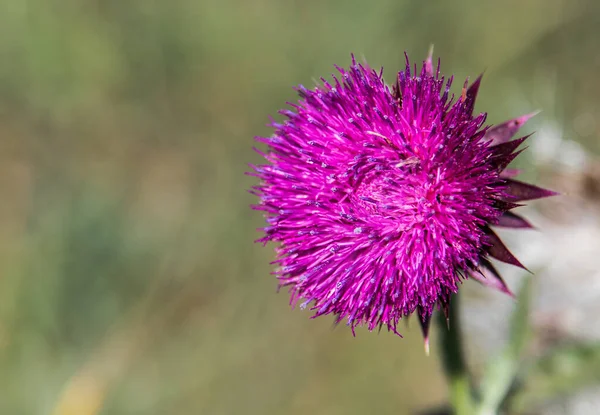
(129, 282)
(501, 371)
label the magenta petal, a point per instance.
(429, 62)
(502, 162)
(506, 152)
(507, 148)
(510, 173)
(425, 321)
(519, 191)
(506, 206)
(498, 250)
(501, 133)
(488, 276)
(510, 220)
(472, 94)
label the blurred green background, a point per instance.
(129, 280)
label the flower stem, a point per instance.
(453, 361)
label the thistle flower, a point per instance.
(382, 198)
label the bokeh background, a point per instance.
(129, 281)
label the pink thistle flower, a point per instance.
(382, 199)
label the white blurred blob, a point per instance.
(586, 402)
(549, 147)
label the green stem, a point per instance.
(453, 361)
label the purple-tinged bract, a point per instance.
(382, 198)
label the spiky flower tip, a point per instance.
(382, 199)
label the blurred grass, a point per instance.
(129, 280)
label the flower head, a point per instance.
(382, 198)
